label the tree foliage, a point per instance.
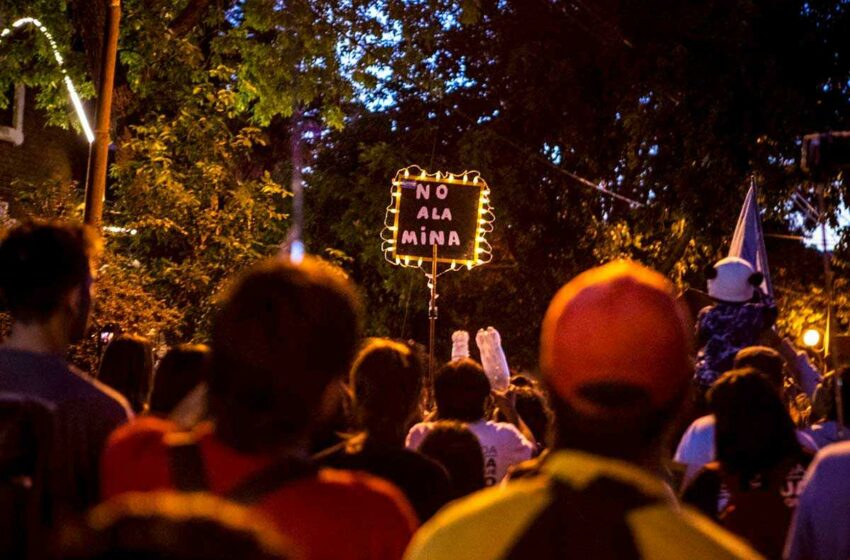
(26, 57)
(123, 299)
(670, 104)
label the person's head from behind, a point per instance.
(171, 526)
(182, 369)
(754, 430)
(386, 384)
(523, 379)
(283, 338)
(46, 276)
(532, 405)
(461, 389)
(766, 360)
(452, 445)
(615, 352)
(127, 367)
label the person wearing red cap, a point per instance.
(615, 353)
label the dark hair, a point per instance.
(766, 360)
(171, 526)
(523, 380)
(284, 333)
(754, 430)
(461, 389)
(456, 448)
(127, 367)
(182, 369)
(532, 405)
(40, 263)
(386, 381)
(630, 428)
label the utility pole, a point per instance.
(823, 155)
(96, 189)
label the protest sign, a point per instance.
(446, 211)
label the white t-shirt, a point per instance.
(502, 445)
(696, 449)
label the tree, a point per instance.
(671, 104)
(209, 94)
(565, 107)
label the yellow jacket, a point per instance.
(582, 506)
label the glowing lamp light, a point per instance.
(811, 338)
(296, 252)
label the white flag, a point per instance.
(748, 240)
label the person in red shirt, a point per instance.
(281, 344)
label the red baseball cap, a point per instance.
(619, 323)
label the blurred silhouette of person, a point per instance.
(127, 367)
(753, 487)
(453, 445)
(615, 353)
(46, 276)
(282, 342)
(183, 368)
(172, 526)
(386, 387)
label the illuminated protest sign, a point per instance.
(444, 210)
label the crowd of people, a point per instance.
(291, 436)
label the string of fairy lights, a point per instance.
(389, 234)
(69, 84)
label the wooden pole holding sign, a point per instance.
(432, 322)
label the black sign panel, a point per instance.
(437, 211)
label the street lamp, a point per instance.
(812, 338)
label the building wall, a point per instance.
(47, 155)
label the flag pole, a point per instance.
(767, 280)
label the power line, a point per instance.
(613, 32)
(604, 21)
(523, 149)
(574, 176)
